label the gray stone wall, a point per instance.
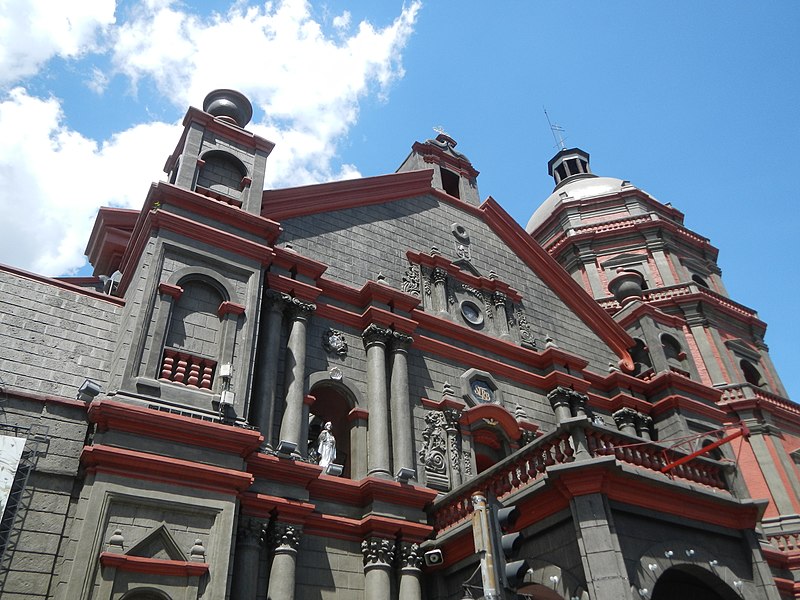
(53, 338)
(358, 243)
(329, 569)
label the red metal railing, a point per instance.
(187, 369)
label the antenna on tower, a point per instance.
(557, 130)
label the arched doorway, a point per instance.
(332, 404)
(691, 582)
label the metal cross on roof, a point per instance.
(557, 130)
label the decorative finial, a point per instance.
(116, 542)
(492, 274)
(197, 552)
(447, 390)
(381, 277)
(435, 251)
(549, 342)
(519, 413)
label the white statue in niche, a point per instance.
(326, 446)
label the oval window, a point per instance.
(471, 312)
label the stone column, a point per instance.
(410, 572)
(560, 402)
(375, 339)
(501, 315)
(644, 426)
(295, 368)
(378, 559)
(439, 279)
(286, 539)
(245, 566)
(698, 327)
(625, 418)
(266, 379)
(601, 555)
(451, 427)
(402, 434)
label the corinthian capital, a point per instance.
(377, 552)
(286, 536)
(375, 334)
(410, 556)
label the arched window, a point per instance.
(672, 348)
(221, 173)
(641, 357)
(700, 281)
(489, 448)
(192, 345)
(146, 594)
(751, 373)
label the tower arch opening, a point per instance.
(691, 582)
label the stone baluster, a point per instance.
(402, 434)
(410, 572)
(249, 537)
(286, 540)
(295, 367)
(266, 379)
(378, 559)
(375, 340)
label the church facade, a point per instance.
(303, 394)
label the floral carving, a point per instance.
(411, 278)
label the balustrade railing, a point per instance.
(529, 464)
(187, 369)
(785, 541)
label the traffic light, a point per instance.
(512, 572)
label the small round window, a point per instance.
(471, 312)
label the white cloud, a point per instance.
(307, 84)
(53, 179)
(33, 31)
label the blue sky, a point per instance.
(695, 102)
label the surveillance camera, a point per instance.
(433, 558)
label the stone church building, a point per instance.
(298, 393)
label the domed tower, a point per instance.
(661, 282)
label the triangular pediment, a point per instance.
(158, 544)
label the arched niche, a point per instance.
(337, 401)
(494, 433)
(221, 172)
(691, 582)
(146, 594)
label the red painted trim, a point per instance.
(212, 236)
(117, 416)
(554, 275)
(368, 490)
(339, 195)
(170, 290)
(470, 338)
(284, 470)
(492, 412)
(266, 506)
(227, 307)
(499, 368)
(308, 400)
(683, 404)
(220, 212)
(45, 399)
(433, 154)
(153, 566)
(641, 309)
(358, 414)
(298, 289)
(349, 529)
(64, 285)
(787, 586)
(446, 402)
(153, 467)
(787, 559)
(292, 261)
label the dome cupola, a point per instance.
(569, 164)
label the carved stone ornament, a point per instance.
(377, 551)
(410, 556)
(375, 334)
(287, 536)
(250, 531)
(411, 284)
(433, 454)
(334, 342)
(525, 334)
